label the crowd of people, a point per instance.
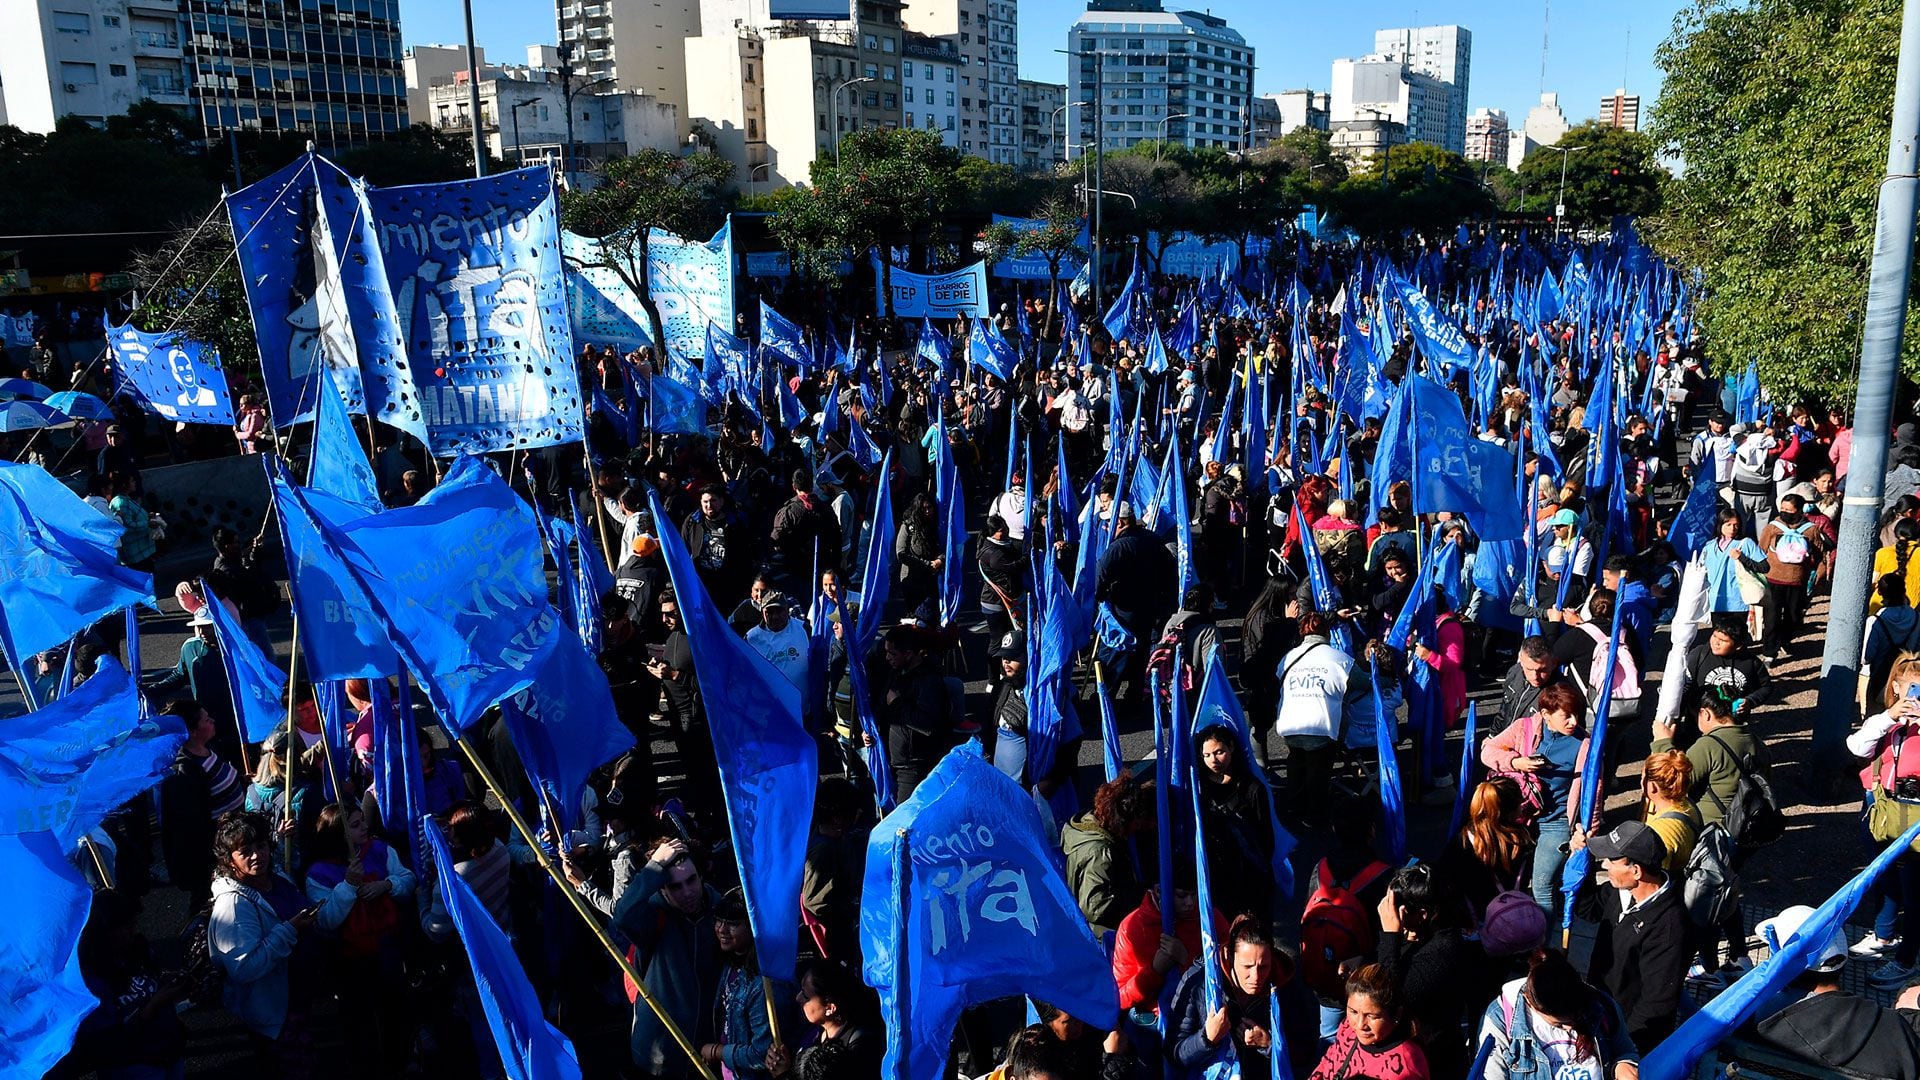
(315, 919)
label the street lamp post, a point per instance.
(1163, 121)
(1053, 123)
(1386, 140)
(767, 165)
(1099, 159)
(519, 151)
(1560, 204)
(567, 94)
(833, 108)
(473, 96)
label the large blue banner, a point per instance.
(692, 284)
(170, 376)
(480, 296)
(601, 307)
(954, 294)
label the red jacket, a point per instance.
(1138, 939)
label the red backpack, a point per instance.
(1336, 926)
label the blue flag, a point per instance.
(1121, 315)
(530, 1048)
(1176, 481)
(990, 351)
(336, 464)
(933, 348)
(399, 785)
(64, 767)
(1578, 869)
(964, 902)
(952, 510)
(43, 997)
(768, 761)
(564, 724)
(1393, 807)
(1155, 362)
(258, 687)
(675, 404)
(1693, 528)
(783, 338)
(460, 582)
(341, 637)
(1676, 1056)
(1111, 755)
(1425, 439)
(60, 566)
(168, 376)
(1218, 704)
(1186, 330)
(1440, 338)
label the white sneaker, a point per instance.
(1873, 946)
(1890, 975)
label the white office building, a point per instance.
(1185, 77)
(1375, 88)
(1444, 53)
(930, 83)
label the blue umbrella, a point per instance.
(27, 415)
(79, 406)
(23, 388)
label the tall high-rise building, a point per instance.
(1376, 88)
(986, 35)
(1441, 52)
(632, 45)
(1621, 110)
(1487, 136)
(1186, 77)
(90, 60)
(930, 78)
(334, 74)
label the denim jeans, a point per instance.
(1547, 860)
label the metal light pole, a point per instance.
(473, 94)
(1386, 121)
(1873, 409)
(519, 151)
(1053, 123)
(767, 165)
(1560, 205)
(1163, 121)
(833, 106)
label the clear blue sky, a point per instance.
(1592, 48)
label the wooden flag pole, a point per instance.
(579, 906)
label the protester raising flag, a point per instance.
(964, 903)
(768, 762)
(1218, 705)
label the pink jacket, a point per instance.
(1520, 739)
(1448, 659)
(1842, 449)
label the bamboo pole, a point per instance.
(293, 664)
(579, 906)
(99, 864)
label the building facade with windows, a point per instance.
(930, 82)
(1043, 143)
(632, 45)
(1444, 53)
(89, 58)
(1186, 77)
(1377, 88)
(1621, 110)
(986, 37)
(1488, 133)
(334, 74)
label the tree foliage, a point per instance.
(649, 190)
(1780, 110)
(887, 189)
(1613, 174)
(1417, 187)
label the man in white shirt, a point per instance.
(1011, 505)
(781, 639)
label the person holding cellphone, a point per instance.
(258, 934)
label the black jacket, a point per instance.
(1137, 579)
(1840, 1031)
(1741, 675)
(1640, 959)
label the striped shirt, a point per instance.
(225, 791)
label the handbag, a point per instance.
(1752, 590)
(1889, 816)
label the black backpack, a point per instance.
(1753, 817)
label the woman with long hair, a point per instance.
(257, 933)
(1730, 552)
(1427, 956)
(1545, 754)
(1901, 556)
(840, 1012)
(1492, 851)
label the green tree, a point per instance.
(192, 285)
(79, 178)
(421, 154)
(648, 190)
(1612, 174)
(889, 188)
(1056, 239)
(1502, 186)
(1160, 179)
(1419, 186)
(1780, 111)
(1242, 194)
